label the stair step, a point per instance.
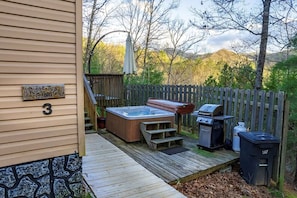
(88, 125)
(169, 142)
(160, 131)
(90, 131)
(163, 140)
(87, 119)
(156, 122)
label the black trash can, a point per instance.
(257, 153)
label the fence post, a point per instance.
(283, 147)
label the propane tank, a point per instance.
(236, 138)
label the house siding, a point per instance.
(40, 43)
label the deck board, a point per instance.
(110, 172)
(178, 167)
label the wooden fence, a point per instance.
(260, 110)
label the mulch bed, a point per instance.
(229, 184)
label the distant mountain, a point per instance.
(232, 58)
(226, 56)
(272, 58)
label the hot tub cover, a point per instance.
(172, 106)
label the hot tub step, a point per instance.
(166, 142)
(155, 125)
(157, 122)
(160, 134)
(169, 130)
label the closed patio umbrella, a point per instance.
(129, 60)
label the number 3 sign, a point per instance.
(48, 109)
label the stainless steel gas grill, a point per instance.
(210, 118)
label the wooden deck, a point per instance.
(179, 167)
(110, 172)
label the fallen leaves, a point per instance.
(225, 185)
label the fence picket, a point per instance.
(270, 112)
(247, 108)
(261, 110)
(235, 109)
(280, 114)
(241, 106)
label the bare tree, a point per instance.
(132, 18)
(263, 21)
(181, 40)
(145, 19)
(95, 18)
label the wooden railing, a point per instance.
(108, 89)
(90, 103)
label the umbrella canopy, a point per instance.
(129, 61)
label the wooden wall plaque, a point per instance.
(43, 91)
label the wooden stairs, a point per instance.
(89, 127)
(160, 135)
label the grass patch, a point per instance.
(276, 193)
(204, 153)
(189, 134)
(290, 193)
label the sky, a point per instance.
(214, 42)
(229, 40)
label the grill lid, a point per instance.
(211, 110)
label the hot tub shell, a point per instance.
(128, 127)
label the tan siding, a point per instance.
(71, 89)
(50, 4)
(35, 112)
(41, 35)
(24, 135)
(39, 44)
(42, 57)
(11, 125)
(16, 158)
(40, 24)
(12, 79)
(10, 91)
(39, 68)
(36, 46)
(35, 12)
(23, 146)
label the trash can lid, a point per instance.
(258, 137)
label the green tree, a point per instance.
(241, 77)
(226, 77)
(107, 58)
(150, 75)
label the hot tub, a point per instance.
(124, 122)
